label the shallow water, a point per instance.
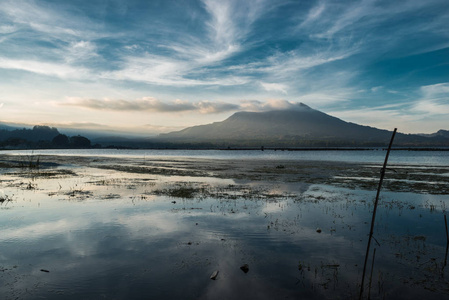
(110, 234)
(418, 158)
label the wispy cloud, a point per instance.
(383, 117)
(202, 107)
(271, 104)
(60, 24)
(227, 24)
(152, 104)
(80, 51)
(45, 68)
(278, 87)
(434, 101)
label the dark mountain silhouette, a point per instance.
(440, 133)
(37, 133)
(302, 126)
(7, 127)
(39, 137)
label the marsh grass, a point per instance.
(78, 193)
(4, 198)
(30, 161)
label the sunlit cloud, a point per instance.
(435, 99)
(45, 68)
(274, 87)
(326, 97)
(272, 104)
(152, 104)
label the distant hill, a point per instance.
(7, 127)
(439, 134)
(298, 127)
(39, 137)
(37, 133)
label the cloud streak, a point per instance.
(153, 105)
(178, 106)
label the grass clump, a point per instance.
(178, 192)
(4, 198)
(182, 192)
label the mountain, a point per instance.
(7, 127)
(37, 133)
(440, 133)
(299, 127)
(39, 137)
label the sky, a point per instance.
(150, 67)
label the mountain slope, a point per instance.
(302, 126)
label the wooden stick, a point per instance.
(445, 257)
(371, 275)
(382, 175)
(447, 235)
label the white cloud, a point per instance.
(6, 29)
(383, 117)
(277, 87)
(59, 24)
(434, 101)
(313, 14)
(322, 98)
(45, 68)
(376, 89)
(435, 91)
(152, 104)
(431, 107)
(80, 51)
(230, 21)
(271, 104)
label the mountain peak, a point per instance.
(297, 126)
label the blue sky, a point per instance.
(156, 66)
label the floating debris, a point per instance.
(214, 275)
(46, 271)
(318, 230)
(245, 268)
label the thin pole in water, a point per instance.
(371, 276)
(382, 175)
(447, 234)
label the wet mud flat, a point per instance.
(109, 227)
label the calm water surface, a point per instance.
(106, 234)
(435, 158)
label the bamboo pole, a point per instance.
(447, 234)
(382, 175)
(371, 275)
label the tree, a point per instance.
(79, 142)
(61, 140)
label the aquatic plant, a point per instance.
(4, 198)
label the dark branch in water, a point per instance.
(382, 175)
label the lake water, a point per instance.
(437, 158)
(96, 233)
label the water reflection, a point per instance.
(146, 246)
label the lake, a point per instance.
(157, 224)
(370, 156)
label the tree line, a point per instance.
(40, 137)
